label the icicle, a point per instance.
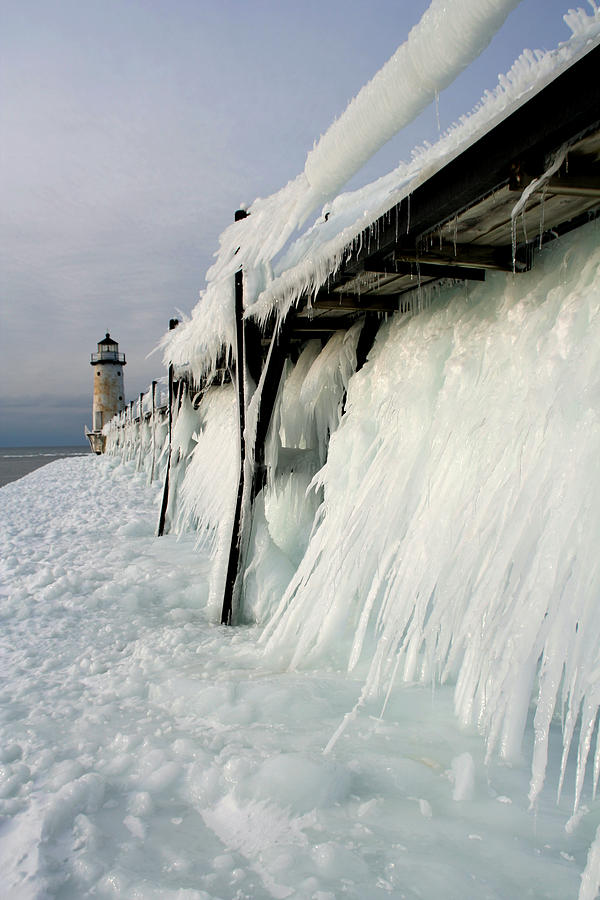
(596, 766)
(477, 575)
(590, 879)
(524, 226)
(541, 220)
(536, 184)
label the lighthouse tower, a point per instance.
(109, 390)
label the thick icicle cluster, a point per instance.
(448, 530)
(457, 535)
(435, 516)
(308, 410)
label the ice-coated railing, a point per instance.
(280, 265)
(108, 356)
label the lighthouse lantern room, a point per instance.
(109, 391)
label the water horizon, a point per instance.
(16, 462)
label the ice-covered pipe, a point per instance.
(450, 35)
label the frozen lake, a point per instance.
(15, 462)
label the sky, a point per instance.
(130, 132)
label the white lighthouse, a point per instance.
(109, 390)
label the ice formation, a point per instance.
(397, 93)
(432, 518)
(449, 531)
(278, 267)
(459, 501)
(146, 753)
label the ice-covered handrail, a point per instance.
(310, 260)
(306, 263)
(450, 35)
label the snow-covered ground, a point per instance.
(146, 752)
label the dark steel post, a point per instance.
(173, 323)
(240, 383)
(141, 434)
(153, 431)
(277, 355)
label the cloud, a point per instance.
(42, 402)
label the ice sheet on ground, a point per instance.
(146, 752)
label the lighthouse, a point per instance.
(109, 390)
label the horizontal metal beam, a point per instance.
(299, 337)
(562, 112)
(459, 257)
(307, 325)
(360, 302)
(434, 268)
(566, 185)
